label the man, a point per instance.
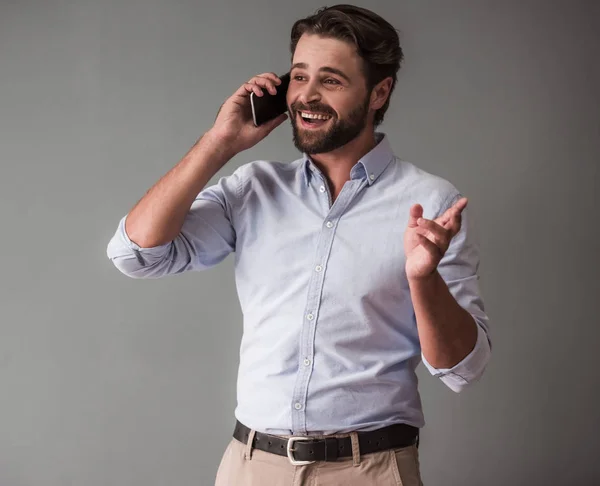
(351, 266)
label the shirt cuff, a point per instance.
(121, 247)
(470, 369)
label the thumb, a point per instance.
(416, 211)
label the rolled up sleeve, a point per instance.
(467, 371)
(206, 238)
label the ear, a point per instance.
(380, 93)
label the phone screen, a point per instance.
(268, 106)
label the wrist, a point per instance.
(221, 143)
(424, 280)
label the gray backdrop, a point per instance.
(106, 380)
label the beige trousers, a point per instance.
(243, 466)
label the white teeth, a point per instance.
(315, 116)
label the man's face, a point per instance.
(327, 96)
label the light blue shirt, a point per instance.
(330, 342)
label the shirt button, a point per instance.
(298, 406)
(310, 317)
(372, 177)
(322, 188)
(307, 362)
(329, 224)
(318, 268)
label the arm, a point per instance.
(158, 217)
(447, 332)
(173, 228)
(204, 238)
(452, 324)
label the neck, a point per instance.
(336, 165)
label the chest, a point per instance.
(353, 243)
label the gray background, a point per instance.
(108, 380)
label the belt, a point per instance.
(305, 450)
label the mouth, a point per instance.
(311, 120)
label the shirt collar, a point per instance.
(370, 166)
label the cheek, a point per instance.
(343, 107)
(341, 101)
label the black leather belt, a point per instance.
(304, 450)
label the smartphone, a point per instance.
(268, 106)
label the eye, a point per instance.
(299, 77)
(331, 81)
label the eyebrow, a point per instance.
(326, 69)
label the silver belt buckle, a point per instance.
(290, 454)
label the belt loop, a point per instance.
(248, 453)
(355, 448)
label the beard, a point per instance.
(339, 133)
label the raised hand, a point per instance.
(234, 124)
(426, 241)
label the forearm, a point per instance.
(157, 218)
(447, 332)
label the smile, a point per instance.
(312, 121)
(314, 116)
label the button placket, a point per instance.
(323, 188)
(306, 345)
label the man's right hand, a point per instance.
(234, 125)
(158, 217)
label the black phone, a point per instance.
(268, 106)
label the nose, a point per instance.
(309, 93)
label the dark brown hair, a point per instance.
(376, 41)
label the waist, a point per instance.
(336, 412)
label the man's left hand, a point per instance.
(426, 241)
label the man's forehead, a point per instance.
(314, 52)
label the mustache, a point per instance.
(314, 107)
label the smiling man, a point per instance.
(352, 266)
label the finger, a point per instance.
(461, 204)
(271, 76)
(249, 87)
(430, 247)
(416, 211)
(454, 225)
(440, 241)
(262, 80)
(265, 82)
(456, 208)
(436, 233)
